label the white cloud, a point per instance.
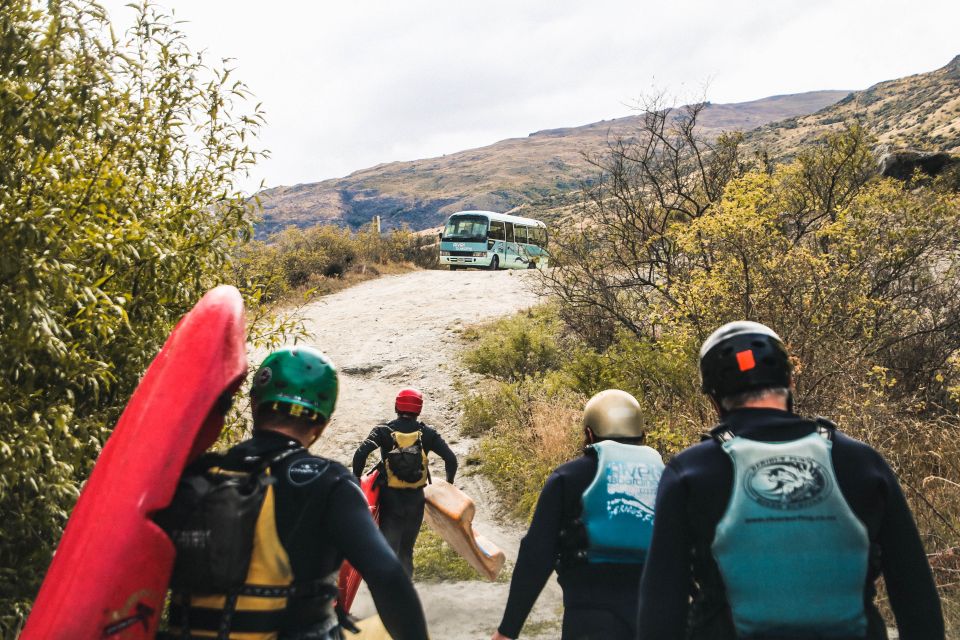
(347, 85)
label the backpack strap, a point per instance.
(269, 461)
(720, 434)
(426, 464)
(423, 450)
(286, 453)
(825, 427)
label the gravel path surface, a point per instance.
(405, 330)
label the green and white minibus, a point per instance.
(489, 240)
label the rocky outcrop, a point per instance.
(903, 163)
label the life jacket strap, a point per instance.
(265, 591)
(825, 429)
(224, 622)
(722, 434)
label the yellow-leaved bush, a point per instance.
(859, 274)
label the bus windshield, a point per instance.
(466, 229)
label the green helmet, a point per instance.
(295, 380)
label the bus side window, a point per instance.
(536, 236)
(496, 232)
(510, 232)
(521, 232)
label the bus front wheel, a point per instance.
(495, 263)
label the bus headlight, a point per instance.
(479, 254)
(444, 253)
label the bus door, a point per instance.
(522, 237)
(496, 238)
(512, 251)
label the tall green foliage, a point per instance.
(859, 274)
(117, 210)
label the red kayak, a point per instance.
(350, 580)
(109, 576)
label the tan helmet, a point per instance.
(614, 414)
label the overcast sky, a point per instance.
(348, 84)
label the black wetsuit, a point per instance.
(401, 510)
(322, 517)
(693, 495)
(599, 600)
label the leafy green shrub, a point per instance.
(517, 348)
(517, 456)
(318, 259)
(482, 407)
(860, 275)
(118, 211)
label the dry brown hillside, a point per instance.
(921, 111)
(501, 176)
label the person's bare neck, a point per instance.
(290, 432)
(766, 402)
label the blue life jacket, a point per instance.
(792, 554)
(618, 504)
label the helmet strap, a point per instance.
(717, 406)
(589, 437)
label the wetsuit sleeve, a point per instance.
(665, 586)
(364, 450)
(538, 550)
(442, 449)
(906, 572)
(356, 535)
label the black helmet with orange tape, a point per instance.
(743, 356)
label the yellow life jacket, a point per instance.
(400, 462)
(257, 612)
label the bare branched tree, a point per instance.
(617, 260)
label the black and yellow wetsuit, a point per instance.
(321, 517)
(401, 506)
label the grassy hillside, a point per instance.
(546, 167)
(501, 176)
(921, 111)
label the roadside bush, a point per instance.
(322, 258)
(518, 456)
(118, 211)
(519, 348)
(860, 276)
(483, 405)
(530, 426)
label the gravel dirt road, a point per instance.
(406, 330)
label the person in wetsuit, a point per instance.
(321, 517)
(404, 444)
(782, 524)
(592, 524)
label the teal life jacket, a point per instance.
(618, 505)
(792, 554)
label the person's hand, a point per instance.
(499, 636)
